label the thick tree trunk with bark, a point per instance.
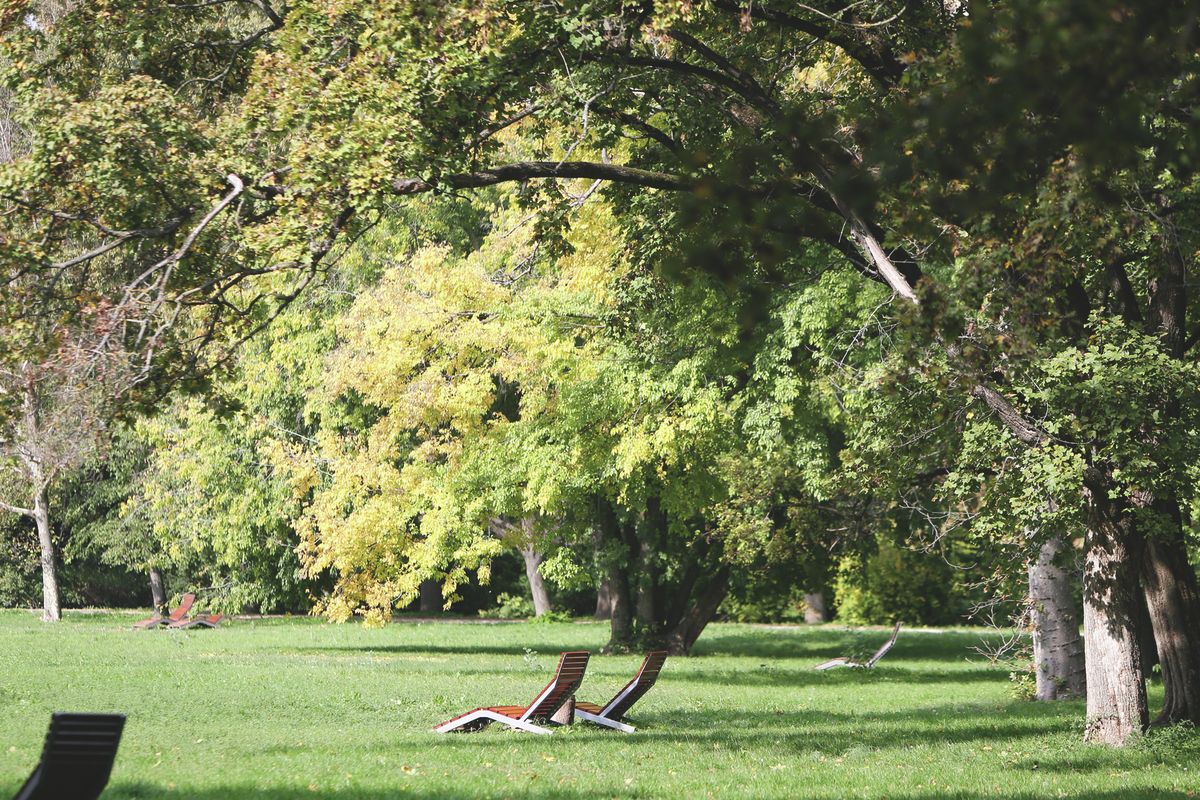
(815, 610)
(1173, 602)
(1116, 689)
(1057, 646)
(604, 599)
(1171, 593)
(537, 585)
(158, 593)
(610, 540)
(431, 599)
(51, 612)
(620, 637)
(649, 608)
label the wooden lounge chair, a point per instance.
(611, 714)
(198, 621)
(185, 605)
(525, 718)
(76, 759)
(870, 662)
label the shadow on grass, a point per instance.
(829, 732)
(815, 644)
(138, 791)
(768, 675)
(823, 643)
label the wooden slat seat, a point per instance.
(611, 714)
(77, 758)
(185, 605)
(571, 668)
(198, 621)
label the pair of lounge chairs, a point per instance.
(178, 619)
(77, 757)
(556, 703)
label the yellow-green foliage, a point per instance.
(498, 387)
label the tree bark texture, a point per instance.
(604, 599)
(815, 610)
(537, 585)
(685, 633)
(51, 612)
(158, 593)
(611, 542)
(1173, 601)
(1057, 646)
(1116, 688)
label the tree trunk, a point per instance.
(1057, 647)
(1116, 689)
(610, 542)
(620, 637)
(644, 549)
(1145, 630)
(604, 599)
(51, 612)
(681, 637)
(431, 599)
(815, 610)
(537, 585)
(158, 593)
(1173, 601)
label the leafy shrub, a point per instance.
(509, 606)
(896, 584)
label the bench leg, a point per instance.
(605, 722)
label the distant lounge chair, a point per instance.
(557, 694)
(185, 605)
(76, 759)
(611, 714)
(870, 662)
(198, 621)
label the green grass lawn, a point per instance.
(296, 708)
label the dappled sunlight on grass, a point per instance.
(276, 709)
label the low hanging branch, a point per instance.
(529, 170)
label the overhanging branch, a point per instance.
(529, 170)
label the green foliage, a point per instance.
(896, 584)
(509, 606)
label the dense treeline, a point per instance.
(335, 303)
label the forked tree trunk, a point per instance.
(158, 593)
(1057, 647)
(1145, 629)
(1116, 689)
(684, 634)
(1173, 601)
(51, 612)
(537, 585)
(815, 610)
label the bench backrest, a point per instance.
(77, 758)
(185, 605)
(566, 680)
(641, 683)
(882, 651)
